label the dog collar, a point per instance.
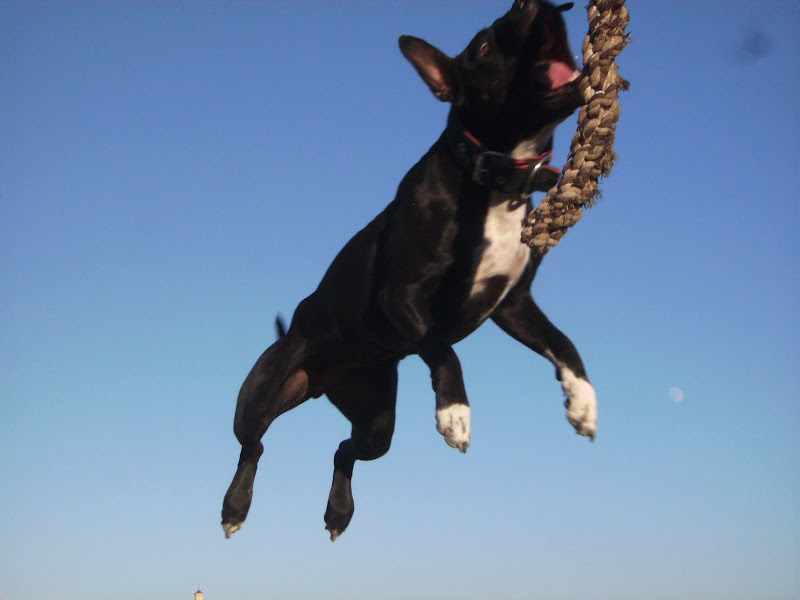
(497, 170)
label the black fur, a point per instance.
(405, 283)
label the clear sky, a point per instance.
(173, 174)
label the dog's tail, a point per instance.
(280, 326)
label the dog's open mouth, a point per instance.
(556, 77)
(556, 67)
(560, 74)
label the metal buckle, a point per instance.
(528, 186)
(481, 170)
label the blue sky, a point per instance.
(173, 174)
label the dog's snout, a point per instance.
(525, 11)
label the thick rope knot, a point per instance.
(591, 151)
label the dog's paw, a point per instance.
(230, 529)
(581, 403)
(336, 522)
(453, 423)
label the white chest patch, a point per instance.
(502, 253)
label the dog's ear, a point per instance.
(433, 65)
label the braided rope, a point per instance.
(591, 150)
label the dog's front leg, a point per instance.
(405, 309)
(452, 406)
(520, 317)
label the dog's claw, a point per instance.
(448, 438)
(584, 425)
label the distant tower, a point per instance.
(198, 595)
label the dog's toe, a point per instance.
(453, 422)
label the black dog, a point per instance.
(442, 258)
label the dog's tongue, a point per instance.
(560, 74)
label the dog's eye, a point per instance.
(484, 49)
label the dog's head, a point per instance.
(515, 80)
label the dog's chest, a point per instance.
(501, 255)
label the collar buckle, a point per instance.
(531, 182)
(483, 164)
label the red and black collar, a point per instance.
(497, 170)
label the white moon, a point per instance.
(675, 394)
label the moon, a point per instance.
(675, 394)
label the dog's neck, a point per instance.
(520, 173)
(540, 143)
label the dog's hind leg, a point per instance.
(367, 399)
(520, 317)
(274, 386)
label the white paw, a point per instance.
(581, 403)
(453, 423)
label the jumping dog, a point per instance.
(444, 256)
